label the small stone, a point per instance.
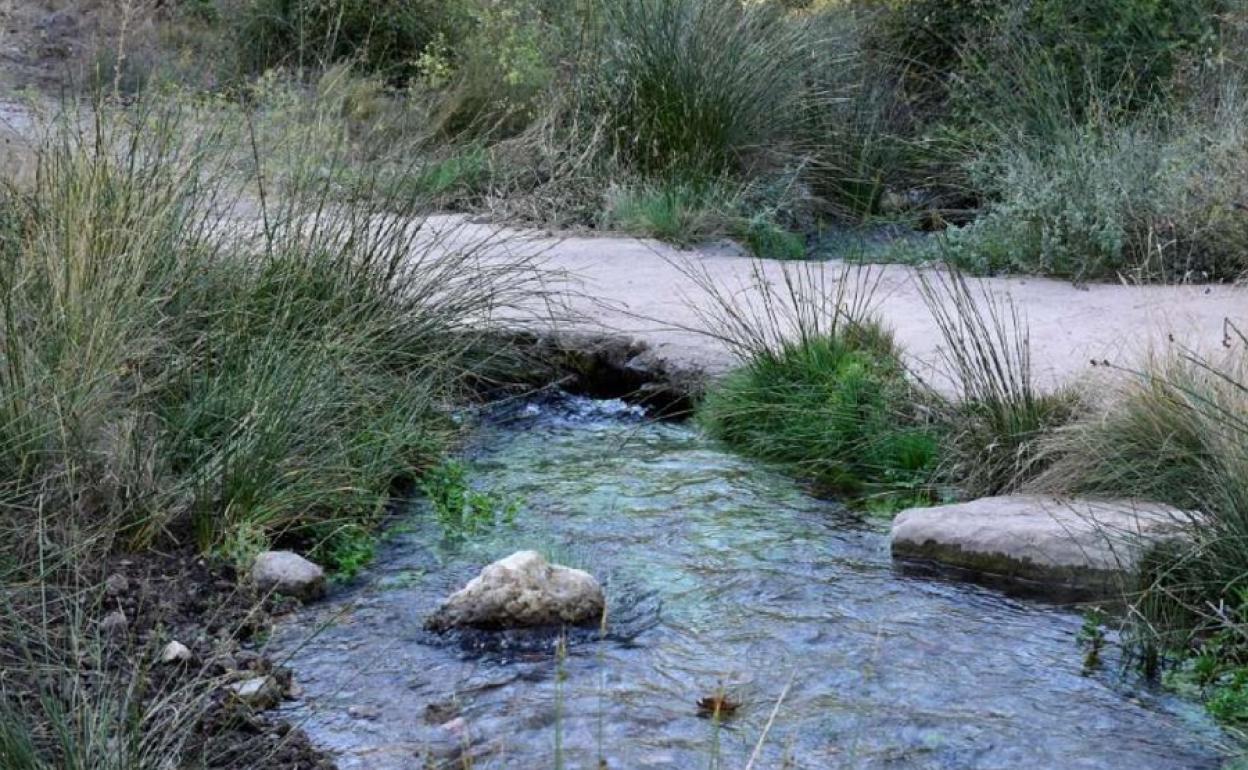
(259, 693)
(288, 573)
(116, 584)
(522, 590)
(363, 712)
(114, 621)
(175, 652)
(457, 727)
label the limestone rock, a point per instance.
(114, 622)
(116, 584)
(1088, 546)
(259, 693)
(522, 590)
(288, 573)
(175, 652)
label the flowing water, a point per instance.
(720, 574)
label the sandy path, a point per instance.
(637, 287)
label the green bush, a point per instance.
(1131, 46)
(837, 410)
(501, 66)
(977, 48)
(687, 86)
(859, 132)
(383, 36)
(1156, 199)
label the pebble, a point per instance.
(363, 712)
(175, 652)
(116, 585)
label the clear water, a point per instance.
(720, 574)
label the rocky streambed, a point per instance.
(723, 580)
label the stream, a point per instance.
(720, 573)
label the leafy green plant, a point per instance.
(461, 510)
(347, 549)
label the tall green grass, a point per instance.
(999, 417)
(1176, 431)
(821, 388)
(180, 354)
(689, 86)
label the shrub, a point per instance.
(385, 36)
(1133, 47)
(689, 85)
(502, 65)
(159, 377)
(837, 410)
(859, 132)
(1156, 198)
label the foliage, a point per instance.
(1134, 46)
(503, 65)
(1153, 199)
(158, 379)
(384, 36)
(676, 212)
(690, 85)
(837, 410)
(685, 213)
(461, 510)
(996, 425)
(768, 240)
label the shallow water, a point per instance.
(719, 572)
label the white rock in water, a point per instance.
(175, 652)
(288, 573)
(1085, 545)
(523, 590)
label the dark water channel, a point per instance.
(720, 573)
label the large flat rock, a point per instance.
(1085, 546)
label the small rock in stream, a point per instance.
(522, 591)
(363, 712)
(260, 693)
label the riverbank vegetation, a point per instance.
(192, 368)
(1086, 139)
(222, 330)
(824, 392)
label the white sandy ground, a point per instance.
(639, 288)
